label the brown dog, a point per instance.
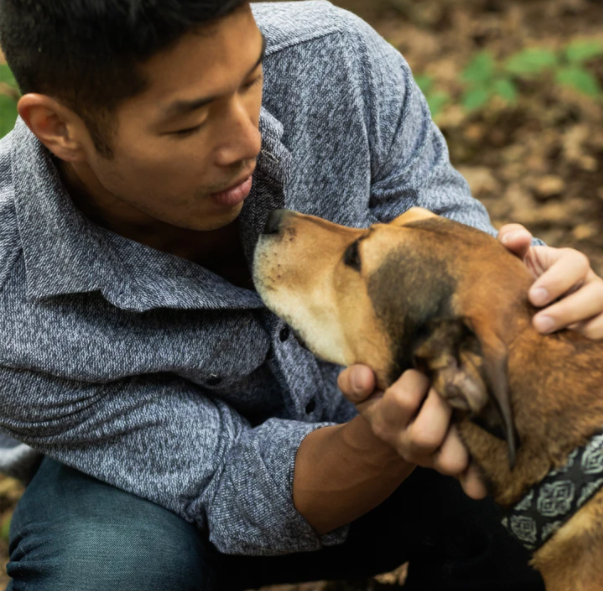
(433, 294)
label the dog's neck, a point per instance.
(552, 379)
(573, 558)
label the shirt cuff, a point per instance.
(315, 541)
(261, 496)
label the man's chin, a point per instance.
(208, 222)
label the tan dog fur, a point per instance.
(393, 309)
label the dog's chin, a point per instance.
(300, 340)
(320, 343)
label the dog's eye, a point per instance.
(352, 256)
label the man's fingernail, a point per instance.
(510, 236)
(544, 324)
(357, 384)
(539, 296)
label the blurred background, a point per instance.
(517, 88)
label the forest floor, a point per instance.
(538, 162)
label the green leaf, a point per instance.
(437, 101)
(476, 98)
(424, 82)
(480, 70)
(8, 114)
(506, 89)
(5, 528)
(531, 61)
(583, 51)
(7, 77)
(581, 80)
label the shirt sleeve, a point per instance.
(410, 163)
(160, 438)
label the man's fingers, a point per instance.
(566, 269)
(412, 418)
(580, 306)
(591, 329)
(357, 383)
(452, 458)
(473, 484)
(428, 431)
(516, 238)
(398, 406)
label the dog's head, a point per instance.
(422, 292)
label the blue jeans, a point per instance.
(71, 532)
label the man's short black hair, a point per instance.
(86, 53)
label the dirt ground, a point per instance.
(538, 162)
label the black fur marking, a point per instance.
(393, 291)
(351, 258)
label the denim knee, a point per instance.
(74, 533)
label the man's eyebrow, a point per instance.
(183, 107)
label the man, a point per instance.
(189, 441)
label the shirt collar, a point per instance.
(66, 253)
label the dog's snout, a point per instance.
(275, 221)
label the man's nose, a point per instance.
(277, 220)
(242, 140)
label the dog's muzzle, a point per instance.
(276, 221)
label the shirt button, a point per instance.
(311, 406)
(214, 380)
(284, 334)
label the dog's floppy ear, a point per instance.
(469, 370)
(414, 214)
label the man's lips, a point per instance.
(235, 195)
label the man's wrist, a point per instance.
(342, 472)
(375, 453)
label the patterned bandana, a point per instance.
(551, 502)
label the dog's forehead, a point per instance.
(421, 243)
(377, 244)
(434, 231)
(416, 233)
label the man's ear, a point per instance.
(469, 370)
(54, 124)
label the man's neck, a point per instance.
(104, 209)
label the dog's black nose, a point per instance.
(275, 219)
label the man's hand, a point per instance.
(560, 273)
(415, 421)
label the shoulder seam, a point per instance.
(310, 37)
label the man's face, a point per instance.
(193, 134)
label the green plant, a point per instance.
(5, 528)
(8, 105)
(485, 78)
(8, 114)
(573, 73)
(436, 99)
(6, 76)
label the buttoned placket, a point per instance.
(294, 367)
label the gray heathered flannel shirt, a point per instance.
(155, 375)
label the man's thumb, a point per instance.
(357, 383)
